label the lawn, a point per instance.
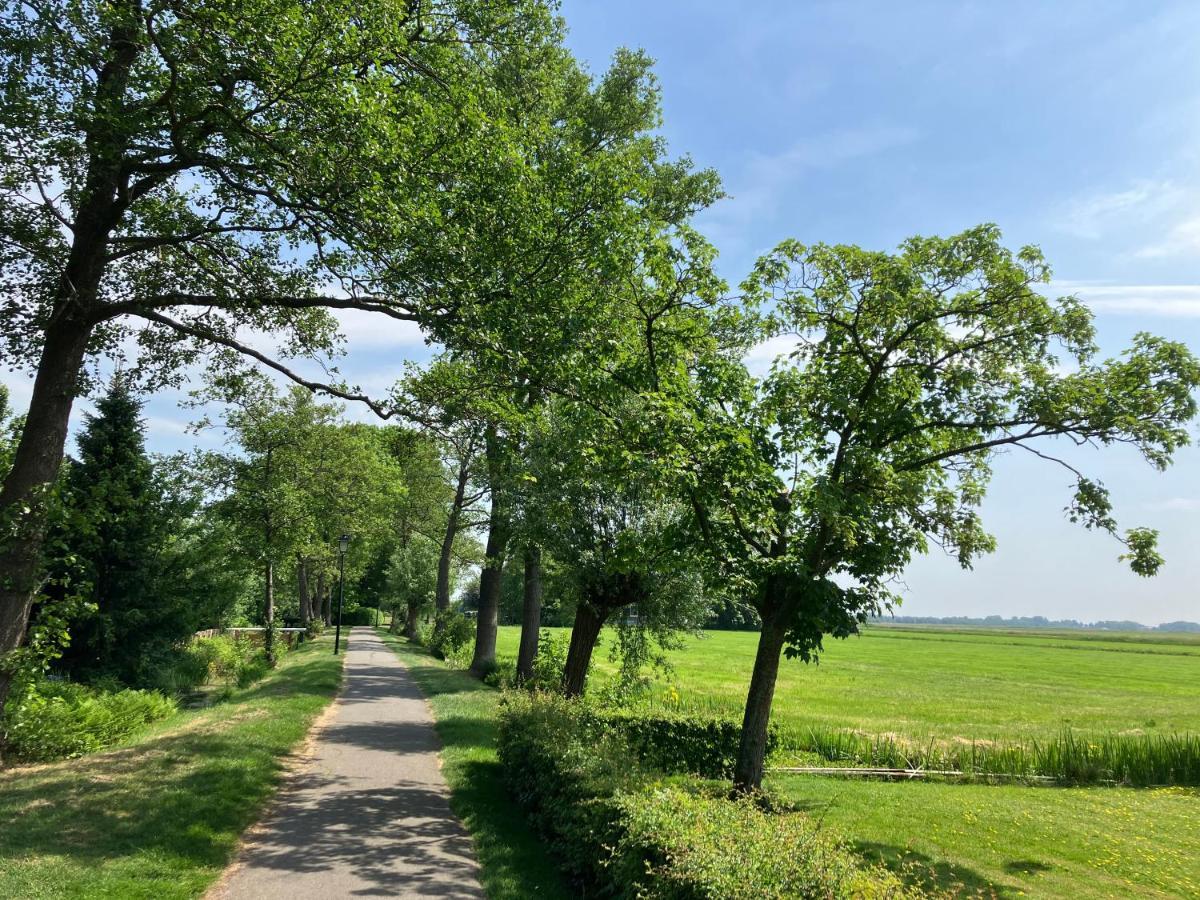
(513, 861)
(160, 816)
(987, 840)
(1005, 841)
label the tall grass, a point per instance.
(1070, 757)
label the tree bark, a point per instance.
(584, 635)
(39, 453)
(484, 659)
(441, 596)
(302, 589)
(269, 612)
(412, 622)
(35, 466)
(748, 772)
(531, 613)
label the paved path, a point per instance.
(368, 815)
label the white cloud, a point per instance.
(1094, 215)
(367, 329)
(760, 357)
(1168, 300)
(1182, 240)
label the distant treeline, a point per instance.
(1039, 622)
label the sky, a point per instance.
(1074, 126)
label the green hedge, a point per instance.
(623, 828)
(56, 719)
(679, 742)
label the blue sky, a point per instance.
(1075, 126)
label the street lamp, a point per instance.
(343, 546)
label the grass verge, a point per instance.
(160, 816)
(514, 863)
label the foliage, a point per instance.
(682, 742)
(218, 659)
(451, 632)
(681, 844)
(47, 720)
(615, 829)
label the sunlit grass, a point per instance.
(161, 816)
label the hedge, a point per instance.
(678, 742)
(623, 828)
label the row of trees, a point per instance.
(167, 185)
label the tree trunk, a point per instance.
(35, 466)
(302, 589)
(320, 601)
(441, 597)
(39, 453)
(484, 659)
(584, 635)
(748, 772)
(412, 622)
(269, 612)
(531, 613)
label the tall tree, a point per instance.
(161, 169)
(872, 439)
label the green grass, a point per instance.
(991, 840)
(160, 816)
(953, 684)
(513, 861)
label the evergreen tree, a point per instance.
(114, 530)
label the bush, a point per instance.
(356, 615)
(58, 719)
(219, 658)
(451, 632)
(681, 742)
(679, 843)
(625, 828)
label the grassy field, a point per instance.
(955, 684)
(972, 839)
(513, 862)
(161, 816)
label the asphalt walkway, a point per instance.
(368, 815)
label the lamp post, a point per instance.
(343, 546)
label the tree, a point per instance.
(161, 169)
(872, 439)
(116, 531)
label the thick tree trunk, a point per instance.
(584, 635)
(412, 622)
(748, 772)
(531, 613)
(484, 658)
(441, 596)
(39, 453)
(321, 600)
(35, 466)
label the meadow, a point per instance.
(954, 685)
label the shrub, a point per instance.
(625, 828)
(451, 632)
(357, 615)
(690, 743)
(550, 661)
(57, 719)
(678, 843)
